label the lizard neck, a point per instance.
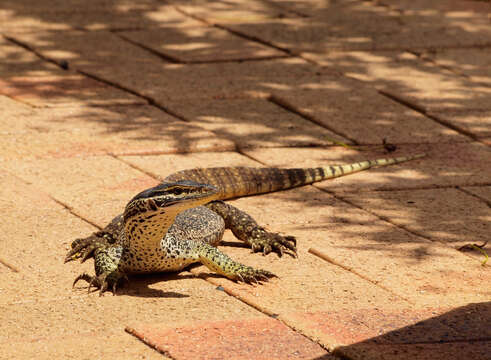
(144, 232)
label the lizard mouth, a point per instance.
(166, 202)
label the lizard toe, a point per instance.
(102, 281)
(268, 242)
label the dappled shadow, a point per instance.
(462, 333)
(184, 86)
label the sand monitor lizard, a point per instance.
(182, 220)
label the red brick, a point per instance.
(244, 339)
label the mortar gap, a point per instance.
(287, 106)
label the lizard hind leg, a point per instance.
(245, 228)
(221, 263)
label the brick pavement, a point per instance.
(101, 99)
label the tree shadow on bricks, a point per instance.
(461, 333)
(121, 94)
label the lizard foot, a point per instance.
(249, 275)
(267, 242)
(102, 281)
(83, 249)
(221, 263)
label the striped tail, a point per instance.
(233, 182)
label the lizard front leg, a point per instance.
(221, 263)
(245, 228)
(84, 248)
(106, 260)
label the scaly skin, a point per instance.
(167, 228)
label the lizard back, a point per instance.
(233, 182)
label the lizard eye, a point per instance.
(177, 191)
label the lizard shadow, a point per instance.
(139, 285)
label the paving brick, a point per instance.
(409, 266)
(97, 187)
(445, 165)
(464, 9)
(254, 123)
(474, 63)
(476, 122)
(451, 351)
(17, 61)
(81, 49)
(81, 131)
(107, 15)
(161, 166)
(65, 5)
(164, 82)
(33, 241)
(439, 214)
(201, 44)
(260, 338)
(24, 22)
(484, 192)
(332, 99)
(325, 296)
(379, 326)
(10, 108)
(84, 346)
(39, 308)
(64, 90)
(309, 8)
(406, 76)
(234, 11)
(338, 27)
(363, 26)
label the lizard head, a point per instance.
(150, 213)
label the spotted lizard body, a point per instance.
(182, 220)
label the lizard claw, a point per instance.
(268, 242)
(83, 249)
(101, 281)
(249, 275)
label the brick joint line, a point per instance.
(234, 32)
(174, 60)
(277, 317)
(9, 266)
(422, 187)
(133, 166)
(162, 56)
(287, 106)
(387, 220)
(330, 260)
(465, 191)
(149, 343)
(74, 213)
(406, 102)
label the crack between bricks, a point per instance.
(399, 226)
(9, 266)
(174, 60)
(133, 166)
(465, 191)
(149, 99)
(409, 188)
(332, 261)
(422, 110)
(289, 107)
(167, 58)
(148, 342)
(73, 212)
(234, 32)
(261, 309)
